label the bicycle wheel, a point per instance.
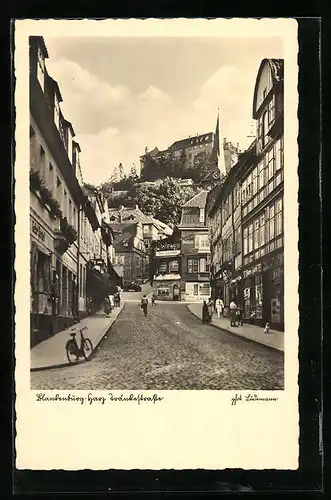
(70, 350)
(87, 348)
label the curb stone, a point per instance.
(80, 361)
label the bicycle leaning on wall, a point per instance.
(75, 351)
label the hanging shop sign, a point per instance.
(253, 270)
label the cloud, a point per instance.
(114, 125)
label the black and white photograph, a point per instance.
(157, 215)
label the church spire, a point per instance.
(218, 150)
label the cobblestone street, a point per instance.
(169, 349)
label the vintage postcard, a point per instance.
(156, 244)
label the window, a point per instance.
(173, 266)
(202, 241)
(42, 165)
(41, 70)
(279, 217)
(265, 129)
(271, 111)
(261, 175)
(146, 229)
(262, 230)
(271, 161)
(202, 268)
(245, 241)
(255, 174)
(195, 266)
(271, 222)
(163, 291)
(256, 234)
(196, 289)
(202, 215)
(146, 242)
(190, 266)
(205, 289)
(250, 238)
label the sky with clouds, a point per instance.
(123, 94)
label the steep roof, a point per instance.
(198, 201)
(123, 233)
(129, 214)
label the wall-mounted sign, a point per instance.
(38, 230)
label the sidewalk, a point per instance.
(51, 352)
(273, 339)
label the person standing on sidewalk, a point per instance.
(219, 306)
(143, 305)
(233, 312)
(210, 305)
(154, 299)
(205, 313)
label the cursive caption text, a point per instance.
(239, 398)
(101, 400)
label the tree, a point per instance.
(115, 176)
(172, 197)
(120, 171)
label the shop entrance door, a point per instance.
(175, 292)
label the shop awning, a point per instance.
(97, 284)
(167, 277)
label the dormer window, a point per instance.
(41, 69)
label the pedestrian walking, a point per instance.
(205, 313)
(219, 306)
(233, 312)
(112, 301)
(107, 306)
(154, 299)
(143, 304)
(210, 305)
(117, 299)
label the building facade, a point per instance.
(195, 250)
(166, 268)
(245, 213)
(262, 190)
(189, 147)
(224, 219)
(61, 214)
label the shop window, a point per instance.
(195, 289)
(190, 265)
(173, 266)
(205, 289)
(163, 292)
